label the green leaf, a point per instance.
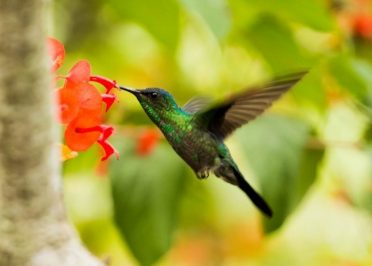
(275, 41)
(368, 134)
(302, 11)
(310, 91)
(146, 193)
(276, 150)
(354, 75)
(213, 12)
(160, 17)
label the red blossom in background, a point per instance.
(362, 24)
(81, 104)
(147, 141)
(355, 17)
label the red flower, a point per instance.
(68, 103)
(81, 104)
(362, 24)
(79, 135)
(89, 98)
(105, 133)
(56, 52)
(109, 99)
(79, 73)
(107, 83)
(86, 127)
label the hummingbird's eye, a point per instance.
(154, 95)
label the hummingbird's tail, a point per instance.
(251, 193)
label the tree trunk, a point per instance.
(34, 230)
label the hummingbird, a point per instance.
(197, 130)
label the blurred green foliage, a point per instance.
(289, 167)
(151, 197)
(312, 159)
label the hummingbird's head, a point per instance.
(155, 101)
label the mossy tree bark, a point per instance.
(34, 230)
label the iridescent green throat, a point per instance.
(171, 119)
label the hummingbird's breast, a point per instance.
(195, 146)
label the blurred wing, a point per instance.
(223, 119)
(196, 104)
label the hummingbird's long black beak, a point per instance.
(131, 90)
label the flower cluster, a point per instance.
(81, 105)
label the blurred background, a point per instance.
(310, 155)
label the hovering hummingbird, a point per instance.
(198, 129)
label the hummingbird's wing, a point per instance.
(241, 108)
(196, 104)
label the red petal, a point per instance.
(88, 96)
(109, 99)
(68, 104)
(79, 73)
(109, 150)
(107, 83)
(106, 132)
(88, 129)
(80, 141)
(147, 141)
(56, 52)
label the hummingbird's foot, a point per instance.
(203, 173)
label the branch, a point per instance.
(34, 230)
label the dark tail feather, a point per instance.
(252, 194)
